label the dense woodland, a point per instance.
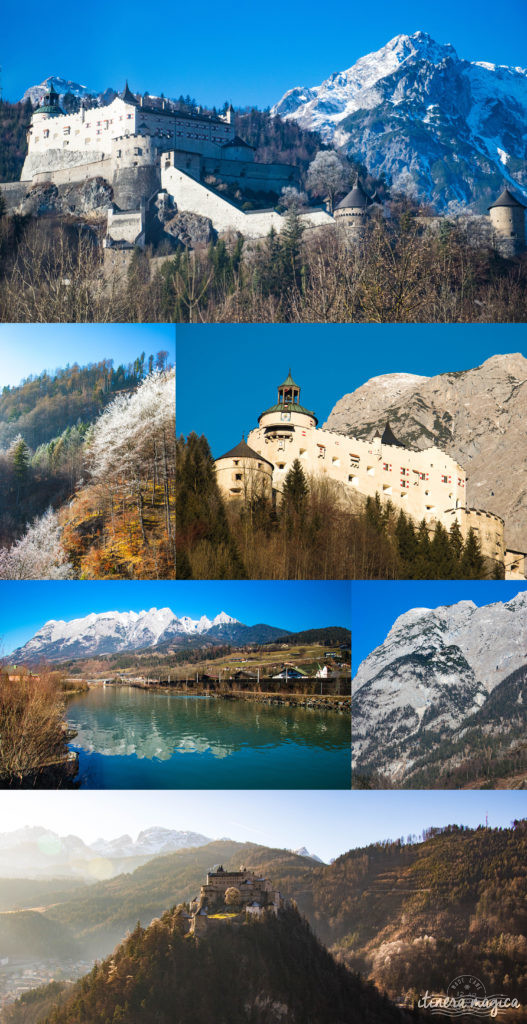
(249, 970)
(87, 467)
(14, 122)
(310, 535)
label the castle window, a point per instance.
(302, 451)
(237, 476)
(403, 471)
(370, 470)
(321, 451)
(236, 461)
(335, 461)
(444, 479)
(45, 133)
(281, 465)
(387, 488)
(354, 480)
(66, 131)
(387, 467)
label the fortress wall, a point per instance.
(69, 165)
(190, 195)
(132, 184)
(489, 530)
(14, 192)
(424, 484)
(244, 478)
(126, 227)
(99, 167)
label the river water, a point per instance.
(133, 739)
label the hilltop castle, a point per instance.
(425, 484)
(157, 158)
(232, 896)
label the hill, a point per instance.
(264, 972)
(440, 128)
(409, 914)
(102, 916)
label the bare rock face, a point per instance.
(189, 229)
(78, 199)
(478, 416)
(436, 669)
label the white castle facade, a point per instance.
(144, 148)
(425, 484)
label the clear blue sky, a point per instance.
(245, 53)
(328, 823)
(26, 606)
(376, 605)
(28, 349)
(228, 374)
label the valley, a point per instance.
(397, 911)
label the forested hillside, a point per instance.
(317, 531)
(411, 914)
(232, 974)
(14, 122)
(100, 439)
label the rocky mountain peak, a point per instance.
(476, 415)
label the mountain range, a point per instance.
(476, 415)
(36, 852)
(439, 127)
(443, 678)
(160, 629)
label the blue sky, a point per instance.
(28, 349)
(24, 607)
(228, 374)
(243, 53)
(328, 823)
(376, 605)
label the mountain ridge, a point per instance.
(432, 674)
(477, 416)
(112, 632)
(441, 128)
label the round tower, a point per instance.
(352, 211)
(507, 216)
(287, 410)
(244, 474)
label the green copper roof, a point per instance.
(47, 109)
(289, 382)
(288, 407)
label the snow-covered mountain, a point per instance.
(112, 632)
(435, 670)
(302, 852)
(150, 843)
(36, 93)
(439, 127)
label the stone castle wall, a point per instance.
(192, 196)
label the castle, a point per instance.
(425, 484)
(232, 896)
(153, 155)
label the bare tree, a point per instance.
(328, 175)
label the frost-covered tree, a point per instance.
(328, 175)
(38, 555)
(292, 199)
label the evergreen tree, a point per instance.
(406, 544)
(442, 565)
(472, 564)
(295, 489)
(456, 542)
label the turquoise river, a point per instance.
(132, 739)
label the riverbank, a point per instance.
(314, 702)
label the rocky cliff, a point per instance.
(432, 675)
(440, 127)
(477, 416)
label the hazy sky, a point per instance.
(233, 51)
(327, 822)
(376, 605)
(229, 374)
(28, 349)
(25, 606)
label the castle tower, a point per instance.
(507, 216)
(287, 409)
(244, 474)
(352, 211)
(49, 108)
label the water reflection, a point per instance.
(128, 737)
